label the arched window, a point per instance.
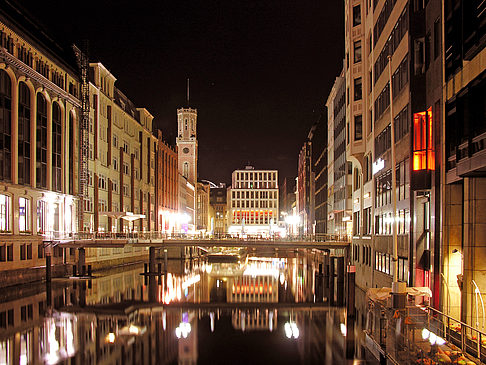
(185, 170)
(41, 142)
(71, 154)
(24, 134)
(56, 147)
(5, 126)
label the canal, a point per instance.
(260, 307)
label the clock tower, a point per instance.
(187, 143)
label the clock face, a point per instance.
(185, 150)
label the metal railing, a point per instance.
(415, 334)
(155, 235)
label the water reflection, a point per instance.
(258, 308)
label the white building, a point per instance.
(253, 202)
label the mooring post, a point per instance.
(340, 281)
(326, 275)
(81, 261)
(350, 291)
(151, 260)
(331, 280)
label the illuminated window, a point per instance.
(41, 216)
(5, 210)
(56, 147)
(41, 143)
(24, 214)
(24, 134)
(423, 141)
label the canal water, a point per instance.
(258, 307)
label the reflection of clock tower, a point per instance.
(187, 143)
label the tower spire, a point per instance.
(187, 91)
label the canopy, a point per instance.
(385, 293)
(128, 216)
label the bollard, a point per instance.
(165, 259)
(81, 261)
(331, 280)
(350, 291)
(340, 281)
(326, 276)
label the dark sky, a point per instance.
(259, 70)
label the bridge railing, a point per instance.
(156, 235)
(416, 333)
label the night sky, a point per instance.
(259, 71)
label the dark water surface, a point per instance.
(258, 308)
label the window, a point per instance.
(115, 141)
(356, 15)
(41, 216)
(41, 142)
(56, 147)
(357, 89)
(185, 170)
(367, 222)
(5, 125)
(423, 141)
(24, 215)
(24, 134)
(357, 51)
(358, 127)
(5, 212)
(437, 35)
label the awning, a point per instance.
(115, 215)
(385, 293)
(128, 216)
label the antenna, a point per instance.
(187, 91)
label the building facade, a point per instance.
(202, 207)
(306, 187)
(187, 161)
(39, 115)
(218, 209)
(339, 174)
(166, 185)
(463, 134)
(253, 202)
(319, 165)
(121, 166)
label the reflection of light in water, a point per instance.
(344, 330)
(164, 320)
(270, 321)
(291, 330)
(282, 278)
(211, 315)
(183, 330)
(69, 339)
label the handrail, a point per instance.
(455, 320)
(57, 235)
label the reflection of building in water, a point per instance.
(126, 285)
(188, 344)
(255, 319)
(253, 289)
(23, 339)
